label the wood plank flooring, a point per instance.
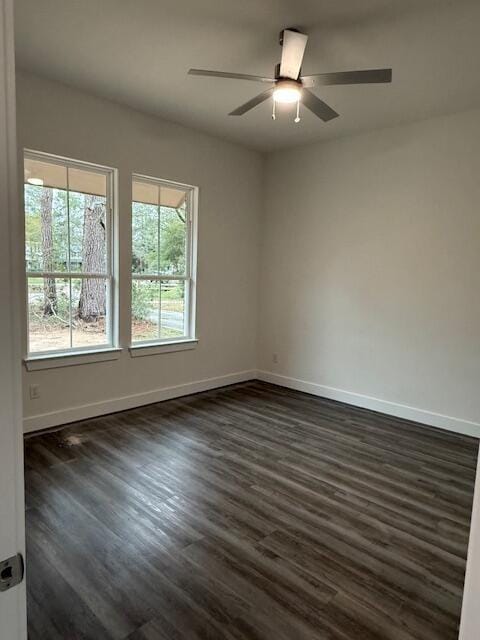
(247, 513)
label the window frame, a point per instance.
(110, 276)
(189, 338)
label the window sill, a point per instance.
(56, 360)
(166, 347)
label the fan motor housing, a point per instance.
(279, 77)
(280, 35)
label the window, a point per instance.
(68, 254)
(162, 261)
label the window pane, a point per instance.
(158, 208)
(173, 233)
(88, 232)
(172, 317)
(46, 228)
(68, 229)
(49, 187)
(44, 173)
(157, 193)
(160, 241)
(89, 312)
(88, 182)
(144, 238)
(145, 310)
(48, 314)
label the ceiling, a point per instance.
(138, 53)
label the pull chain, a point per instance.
(297, 119)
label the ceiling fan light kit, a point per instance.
(287, 91)
(289, 87)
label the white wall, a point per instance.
(370, 264)
(60, 120)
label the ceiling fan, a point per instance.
(291, 87)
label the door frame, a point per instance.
(13, 617)
(470, 620)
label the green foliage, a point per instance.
(174, 292)
(67, 224)
(144, 238)
(33, 231)
(172, 242)
(158, 240)
(145, 299)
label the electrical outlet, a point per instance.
(34, 391)
(275, 358)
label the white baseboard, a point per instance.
(82, 412)
(375, 404)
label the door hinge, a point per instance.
(11, 572)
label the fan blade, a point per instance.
(317, 106)
(369, 76)
(293, 49)
(225, 74)
(239, 111)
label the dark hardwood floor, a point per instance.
(247, 513)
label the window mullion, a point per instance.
(154, 276)
(145, 276)
(158, 266)
(188, 248)
(68, 220)
(186, 304)
(159, 309)
(66, 274)
(70, 315)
